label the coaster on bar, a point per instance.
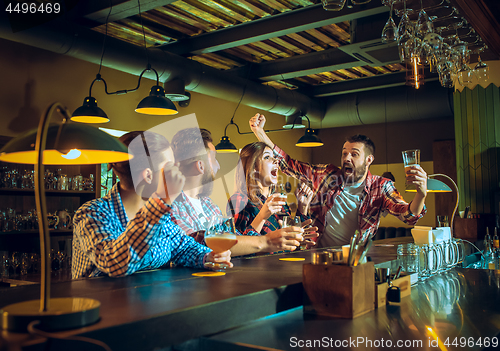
(209, 274)
(292, 259)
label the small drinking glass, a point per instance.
(220, 236)
(35, 262)
(279, 189)
(15, 261)
(289, 221)
(443, 221)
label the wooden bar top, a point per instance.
(156, 309)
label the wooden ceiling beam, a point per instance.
(299, 65)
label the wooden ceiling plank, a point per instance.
(250, 7)
(280, 48)
(305, 41)
(262, 6)
(329, 41)
(297, 50)
(296, 43)
(243, 55)
(259, 52)
(204, 12)
(364, 71)
(167, 25)
(338, 33)
(187, 18)
(230, 9)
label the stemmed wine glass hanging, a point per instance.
(422, 42)
(390, 31)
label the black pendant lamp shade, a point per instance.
(156, 103)
(77, 144)
(89, 112)
(309, 139)
(225, 146)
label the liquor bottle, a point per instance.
(496, 243)
(487, 243)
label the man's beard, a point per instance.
(207, 181)
(356, 174)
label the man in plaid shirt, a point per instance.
(193, 208)
(349, 198)
(131, 228)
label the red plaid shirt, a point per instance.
(245, 211)
(326, 182)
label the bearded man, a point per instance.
(350, 198)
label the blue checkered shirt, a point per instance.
(106, 242)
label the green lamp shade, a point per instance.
(78, 144)
(225, 146)
(309, 139)
(156, 103)
(433, 186)
(89, 112)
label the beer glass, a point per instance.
(425, 262)
(289, 221)
(220, 236)
(279, 189)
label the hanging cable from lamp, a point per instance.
(105, 36)
(143, 32)
(154, 104)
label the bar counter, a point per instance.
(258, 305)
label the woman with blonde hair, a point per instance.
(253, 204)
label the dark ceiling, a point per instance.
(292, 44)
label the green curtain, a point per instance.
(477, 140)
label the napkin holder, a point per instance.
(427, 235)
(339, 291)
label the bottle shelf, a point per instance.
(15, 191)
(53, 232)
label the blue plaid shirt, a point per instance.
(106, 242)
